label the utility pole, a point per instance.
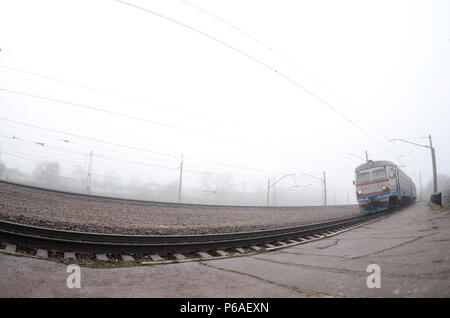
(89, 175)
(433, 158)
(420, 182)
(180, 182)
(274, 191)
(269, 185)
(324, 186)
(359, 157)
(367, 157)
(4, 171)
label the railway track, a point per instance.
(93, 248)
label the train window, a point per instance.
(363, 177)
(391, 173)
(378, 174)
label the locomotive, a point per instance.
(381, 185)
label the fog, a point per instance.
(110, 98)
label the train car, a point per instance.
(381, 185)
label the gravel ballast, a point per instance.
(66, 211)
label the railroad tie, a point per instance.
(69, 255)
(222, 253)
(256, 248)
(179, 256)
(128, 258)
(102, 257)
(42, 253)
(204, 255)
(240, 250)
(156, 258)
(10, 248)
(270, 246)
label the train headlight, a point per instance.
(359, 192)
(385, 187)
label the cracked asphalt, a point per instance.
(411, 247)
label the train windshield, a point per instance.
(363, 177)
(379, 174)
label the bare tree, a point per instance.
(207, 182)
(224, 182)
(47, 172)
(2, 171)
(79, 172)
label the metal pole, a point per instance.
(322, 182)
(367, 157)
(323, 193)
(180, 183)
(274, 191)
(274, 183)
(420, 181)
(89, 176)
(433, 159)
(4, 171)
(325, 188)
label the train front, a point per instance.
(373, 188)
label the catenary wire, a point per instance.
(258, 61)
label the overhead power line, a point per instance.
(284, 57)
(71, 169)
(134, 148)
(209, 120)
(33, 159)
(125, 171)
(89, 138)
(88, 147)
(110, 159)
(137, 162)
(152, 122)
(102, 91)
(103, 157)
(258, 61)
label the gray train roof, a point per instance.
(373, 164)
(380, 163)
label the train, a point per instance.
(382, 185)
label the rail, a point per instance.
(85, 241)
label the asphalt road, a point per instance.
(411, 248)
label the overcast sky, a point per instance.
(274, 87)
